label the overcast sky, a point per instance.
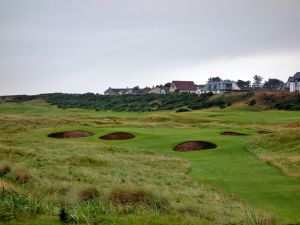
(78, 46)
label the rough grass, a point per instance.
(281, 149)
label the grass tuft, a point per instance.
(5, 168)
(88, 193)
(22, 175)
(133, 196)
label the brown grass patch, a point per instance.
(137, 197)
(88, 193)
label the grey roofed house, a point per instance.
(115, 91)
(146, 90)
(294, 83)
(137, 91)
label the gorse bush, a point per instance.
(282, 101)
(151, 102)
(182, 110)
(156, 102)
(63, 215)
(252, 102)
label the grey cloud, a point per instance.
(113, 41)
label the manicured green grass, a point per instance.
(231, 167)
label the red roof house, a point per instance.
(183, 86)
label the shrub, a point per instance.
(182, 110)
(88, 193)
(252, 102)
(63, 215)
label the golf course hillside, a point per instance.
(235, 163)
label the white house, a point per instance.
(294, 83)
(159, 90)
(220, 87)
(201, 89)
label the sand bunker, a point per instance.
(264, 132)
(118, 136)
(231, 133)
(194, 146)
(70, 134)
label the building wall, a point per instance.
(186, 91)
(110, 92)
(235, 86)
(220, 87)
(156, 90)
(294, 86)
(172, 88)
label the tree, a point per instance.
(136, 88)
(257, 81)
(168, 85)
(273, 84)
(243, 84)
(214, 79)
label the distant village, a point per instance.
(214, 85)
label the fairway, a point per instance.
(231, 167)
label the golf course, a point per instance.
(82, 166)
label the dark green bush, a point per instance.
(252, 102)
(63, 215)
